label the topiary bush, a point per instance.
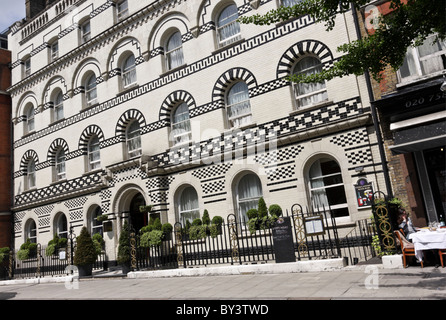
(85, 253)
(124, 245)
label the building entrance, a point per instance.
(436, 169)
(137, 219)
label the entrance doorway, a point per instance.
(137, 219)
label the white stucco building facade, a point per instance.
(176, 105)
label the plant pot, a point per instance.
(85, 270)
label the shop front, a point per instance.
(415, 117)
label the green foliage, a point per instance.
(252, 213)
(124, 244)
(275, 210)
(4, 254)
(217, 220)
(197, 232)
(151, 239)
(85, 253)
(167, 228)
(263, 211)
(27, 250)
(157, 224)
(205, 219)
(197, 222)
(408, 24)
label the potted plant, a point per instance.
(27, 250)
(85, 254)
(124, 248)
(4, 262)
(167, 229)
(216, 226)
(145, 209)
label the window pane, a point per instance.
(174, 52)
(181, 129)
(134, 139)
(249, 191)
(227, 26)
(309, 93)
(94, 153)
(90, 89)
(239, 107)
(188, 206)
(129, 71)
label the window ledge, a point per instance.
(420, 79)
(312, 107)
(127, 89)
(246, 126)
(218, 50)
(173, 70)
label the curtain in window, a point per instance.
(62, 226)
(188, 206)
(30, 119)
(309, 93)
(134, 139)
(90, 89)
(129, 71)
(174, 51)
(227, 26)
(249, 191)
(60, 165)
(319, 197)
(32, 232)
(58, 107)
(31, 174)
(94, 153)
(290, 3)
(239, 107)
(181, 129)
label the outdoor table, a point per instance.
(428, 240)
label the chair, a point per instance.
(407, 248)
(441, 252)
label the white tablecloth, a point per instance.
(427, 240)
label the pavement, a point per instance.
(262, 284)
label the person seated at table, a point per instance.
(405, 223)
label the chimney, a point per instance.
(34, 7)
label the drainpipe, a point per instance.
(374, 115)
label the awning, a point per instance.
(418, 145)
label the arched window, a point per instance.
(30, 123)
(31, 174)
(188, 207)
(290, 3)
(62, 226)
(133, 140)
(94, 153)
(238, 106)
(58, 106)
(96, 226)
(248, 192)
(54, 51)
(174, 51)
(90, 90)
(60, 165)
(181, 129)
(308, 94)
(228, 28)
(31, 231)
(128, 71)
(327, 188)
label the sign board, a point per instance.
(283, 241)
(314, 225)
(364, 193)
(62, 255)
(107, 226)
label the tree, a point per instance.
(85, 250)
(410, 23)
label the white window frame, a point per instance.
(30, 119)
(31, 174)
(58, 106)
(133, 138)
(177, 132)
(320, 207)
(62, 226)
(85, 32)
(122, 10)
(54, 51)
(174, 54)
(418, 60)
(244, 104)
(94, 153)
(194, 212)
(298, 96)
(129, 76)
(27, 67)
(242, 215)
(91, 94)
(225, 24)
(60, 165)
(96, 226)
(31, 231)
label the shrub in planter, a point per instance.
(205, 219)
(197, 222)
(217, 220)
(197, 232)
(27, 250)
(275, 210)
(151, 239)
(4, 254)
(98, 242)
(124, 246)
(252, 213)
(85, 254)
(55, 244)
(263, 211)
(167, 229)
(157, 224)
